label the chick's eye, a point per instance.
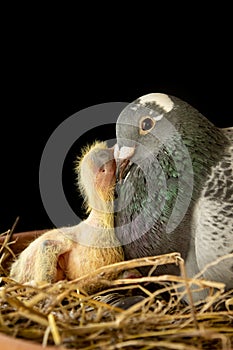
(147, 124)
(102, 169)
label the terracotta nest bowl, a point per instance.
(7, 342)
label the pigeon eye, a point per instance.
(146, 124)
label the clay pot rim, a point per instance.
(8, 342)
(28, 234)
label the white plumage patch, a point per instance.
(159, 117)
(161, 100)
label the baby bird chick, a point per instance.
(71, 252)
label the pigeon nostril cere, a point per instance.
(126, 152)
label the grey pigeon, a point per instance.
(175, 189)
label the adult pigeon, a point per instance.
(175, 189)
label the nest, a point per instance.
(63, 314)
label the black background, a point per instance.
(47, 77)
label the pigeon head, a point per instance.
(96, 175)
(163, 126)
(142, 123)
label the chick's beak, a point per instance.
(122, 157)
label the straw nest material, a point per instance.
(63, 314)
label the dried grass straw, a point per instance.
(62, 314)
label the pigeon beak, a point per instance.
(122, 157)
